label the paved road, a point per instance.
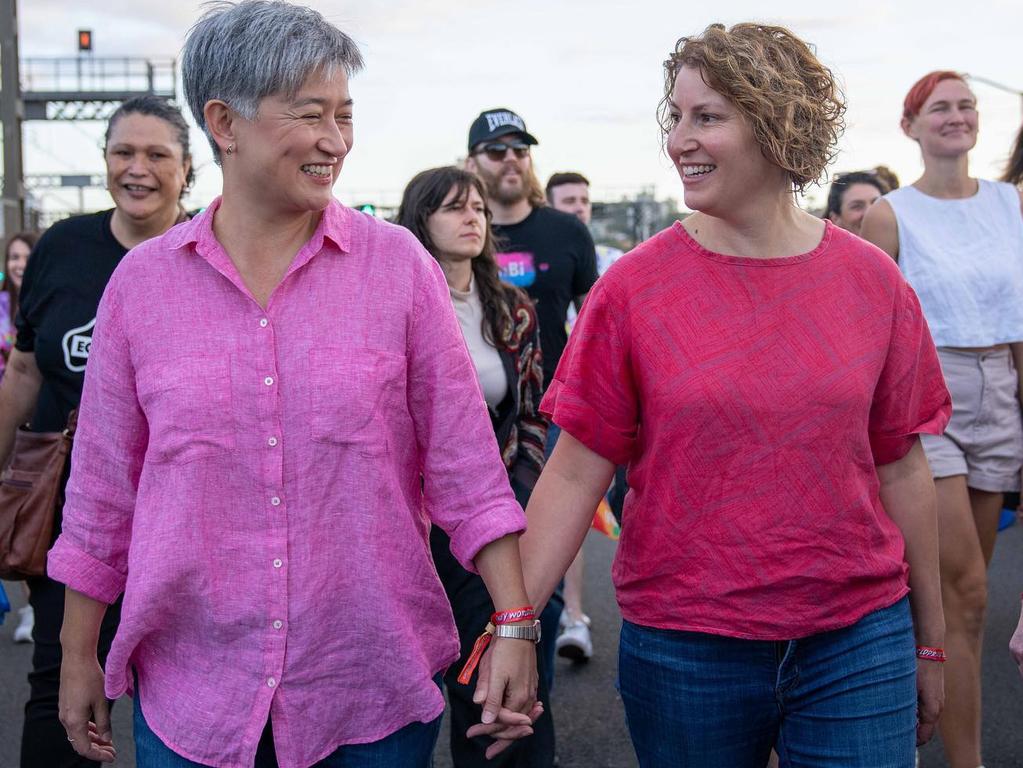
(588, 713)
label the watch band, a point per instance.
(528, 632)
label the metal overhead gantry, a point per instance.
(90, 88)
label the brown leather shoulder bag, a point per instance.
(30, 490)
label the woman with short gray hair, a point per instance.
(261, 487)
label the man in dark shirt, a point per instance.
(548, 253)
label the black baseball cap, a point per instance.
(497, 122)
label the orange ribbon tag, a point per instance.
(474, 658)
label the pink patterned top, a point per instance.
(260, 485)
(752, 400)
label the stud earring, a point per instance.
(230, 149)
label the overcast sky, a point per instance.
(585, 75)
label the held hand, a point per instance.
(1016, 643)
(506, 688)
(930, 690)
(84, 711)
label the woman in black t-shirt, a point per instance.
(148, 170)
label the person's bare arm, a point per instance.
(1016, 643)
(83, 707)
(19, 391)
(881, 228)
(509, 692)
(559, 514)
(907, 493)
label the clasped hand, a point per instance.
(506, 688)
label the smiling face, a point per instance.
(947, 123)
(17, 259)
(146, 166)
(291, 154)
(714, 150)
(573, 198)
(457, 228)
(856, 200)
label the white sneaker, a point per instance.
(574, 642)
(23, 632)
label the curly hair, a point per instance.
(791, 100)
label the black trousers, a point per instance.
(471, 605)
(44, 742)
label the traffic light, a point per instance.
(85, 41)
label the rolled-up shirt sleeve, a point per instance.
(465, 485)
(910, 397)
(91, 554)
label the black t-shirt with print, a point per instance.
(65, 278)
(550, 254)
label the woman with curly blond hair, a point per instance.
(765, 376)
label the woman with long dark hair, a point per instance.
(446, 209)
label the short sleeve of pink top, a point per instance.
(752, 399)
(260, 484)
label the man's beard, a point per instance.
(501, 194)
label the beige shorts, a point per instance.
(984, 439)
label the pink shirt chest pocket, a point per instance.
(357, 398)
(188, 403)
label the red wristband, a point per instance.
(931, 654)
(525, 613)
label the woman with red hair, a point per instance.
(958, 240)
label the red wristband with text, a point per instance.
(931, 654)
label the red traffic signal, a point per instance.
(84, 40)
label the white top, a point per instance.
(964, 259)
(489, 368)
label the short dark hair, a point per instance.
(841, 183)
(564, 177)
(166, 110)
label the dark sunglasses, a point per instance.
(496, 150)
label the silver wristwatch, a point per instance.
(530, 632)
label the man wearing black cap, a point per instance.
(548, 253)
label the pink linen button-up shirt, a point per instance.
(260, 485)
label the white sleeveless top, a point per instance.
(964, 259)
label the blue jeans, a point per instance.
(842, 698)
(409, 746)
